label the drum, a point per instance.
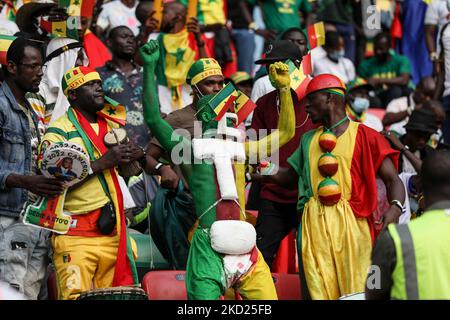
(114, 138)
(354, 296)
(115, 293)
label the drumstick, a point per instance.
(158, 6)
(192, 9)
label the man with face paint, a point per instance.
(335, 61)
(335, 167)
(277, 212)
(389, 73)
(358, 104)
(210, 83)
(223, 250)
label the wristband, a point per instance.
(159, 165)
(398, 204)
(252, 26)
(434, 56)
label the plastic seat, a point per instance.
(287, 286)
(377, 112)
(149, 257)
(165, 285)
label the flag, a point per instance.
(59, 29)
(113, 111)
(192, 9)
(78, 8)
(243, 107)
(300, 78)
(223, 101)
(316, 35)
(178, 51)
(158, 6)
(11, 9)
(5, 42)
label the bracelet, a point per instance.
(252, 26)
(159, 165)
(398, 204)
(405, 147)
(434, 56)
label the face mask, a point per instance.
(360, 105)
(336, 55)
(198, 93)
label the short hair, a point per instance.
(16, 51)
(143, 10)
(113, 31)
(331, 39)
(435, 173)
(381, 36)
(285, 33)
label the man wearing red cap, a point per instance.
(335, 167)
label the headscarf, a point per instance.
(50, 86)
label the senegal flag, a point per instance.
(113, 111)
(300, 77)
(5, 42)
(316, 35)
(78, 8)
(59, 28)
(177, 54)
(223, 101)
(208, 11)
(243, 107)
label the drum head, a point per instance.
(116, 293)
(115, 137)
(65, 161)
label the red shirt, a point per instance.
(265, 116)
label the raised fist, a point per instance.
(150, 53)
(279, 74)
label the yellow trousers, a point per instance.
(336, 248)
(83, 261)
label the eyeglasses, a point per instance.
(34, 67)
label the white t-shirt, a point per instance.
(446, 44)
(261, 87)
(400, 105)
(344, 68)
(115, 14)
(373, 122)
(165, 98)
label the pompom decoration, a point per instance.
(329, 192)
(328, 165)
(327, 141)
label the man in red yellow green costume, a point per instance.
(223, 250)
(86, 254)
(335, 168)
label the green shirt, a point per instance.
(392, 68)
(336, 11)
(280, 15)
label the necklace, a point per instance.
(337, 124)
(278, 110)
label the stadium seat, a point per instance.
(149, 257)
(165, 285)
(377, 112)
(288, 286)
(170, 285)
